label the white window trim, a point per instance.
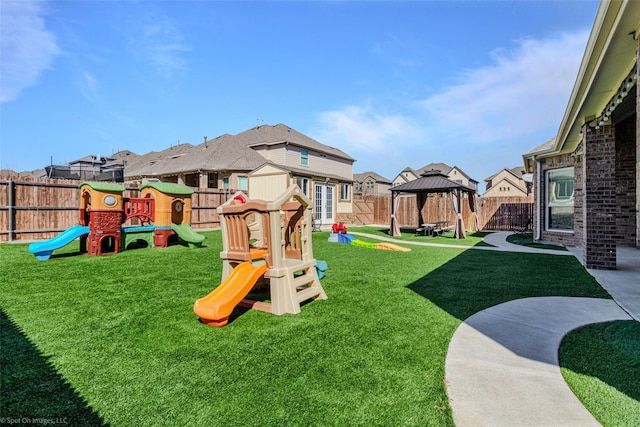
(547, 205)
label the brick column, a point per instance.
(599, 186)
(638, 147)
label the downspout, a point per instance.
(538, 235)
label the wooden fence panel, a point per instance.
(41, 208)
(493, 213)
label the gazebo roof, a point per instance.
(430, 182)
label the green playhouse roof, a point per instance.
(169, 188)
(103, 186)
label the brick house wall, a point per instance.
(626, 232)
(566, 238)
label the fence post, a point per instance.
(11, 214)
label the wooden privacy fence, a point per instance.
(493, 213)
(40, 208)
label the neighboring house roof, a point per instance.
(513, 182)
(304, 172)
(227, 152)
(360, 177)
(442, 167)
(116, 159)
(430, 183)
(156, 162)
(517, 172)
(280, 133)
(463, 174)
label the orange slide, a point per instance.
(215, 308)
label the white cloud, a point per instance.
(28, 48)
(520, 94)
(161, 42)
(89, 86)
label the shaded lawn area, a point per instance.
(601, 364)
(526, 239)
(472, 239)
(120, 331)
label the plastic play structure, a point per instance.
(268, 243)
(164, 207)
(339, 234)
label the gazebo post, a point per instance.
(459, 232)
(394, 229)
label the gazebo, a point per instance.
(434, 182)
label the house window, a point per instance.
(243, 183)
(225, 182)
(370, 185)
(344, 191)
(213, 180)
(304, 157)
(303, 183)
(560, 192)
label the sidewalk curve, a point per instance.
(502, 366)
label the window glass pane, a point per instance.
(225, 183)
(303, 183)
(344, 192)
(243, 183)
(318, 202)
(560, 193)
(329, 202)
(304, 157)
(213, 180)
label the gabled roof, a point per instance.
(304, 172)
(360, 177)
(519, 184)
(442, 167)
(226, 152)
(280, 133)
(156, 162)
(517, 172)
(435, 183)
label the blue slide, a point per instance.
(43, 250)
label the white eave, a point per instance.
(609, 57)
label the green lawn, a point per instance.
(601, 364)
(472, 239)
(526, 239)
(113, 339)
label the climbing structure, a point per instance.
(164, 210)
(270, 240)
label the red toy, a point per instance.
(339, 228)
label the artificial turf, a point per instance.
(601, 364)
(113, 339)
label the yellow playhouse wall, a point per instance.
(164, 210)
(98, 199)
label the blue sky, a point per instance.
(472, 83)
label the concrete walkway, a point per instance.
(502, 365)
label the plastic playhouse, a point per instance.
(164, 207)
(339, 234)
(264, 240)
